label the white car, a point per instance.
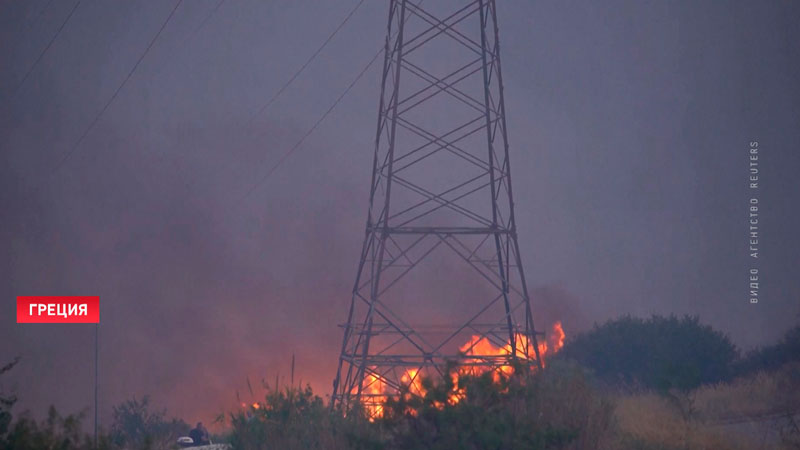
(187, 442)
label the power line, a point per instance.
(197, 29)
(213, 11)
(303, 67)
(294, 76)
(119, 88)
(181, 46)
(47, 47)
(313, 128)
(38, 15)
(322, 118)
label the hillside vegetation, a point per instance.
(663, 383)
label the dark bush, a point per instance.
(136, 426)
(56, 432)
(295, 418)
(661, 353)
(6, 403)
(772, 357)
(555, 409)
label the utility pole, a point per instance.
(441, 233)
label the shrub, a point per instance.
(556, 409)
(772, 357)
(6, 403)
(295, 418)
(135, 426)
(56, 432)
(661, 353)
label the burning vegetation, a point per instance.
(376, 390)
(640, 403)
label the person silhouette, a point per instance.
(199, 434)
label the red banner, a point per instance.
(58, 309)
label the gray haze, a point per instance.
(629, 122)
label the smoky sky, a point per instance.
(629, 124)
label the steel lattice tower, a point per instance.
(440, 195)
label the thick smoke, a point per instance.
(629, 126)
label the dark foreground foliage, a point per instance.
(565, 406)
(6, 403)
(556, 409)
(295, 418)
(661, 353)
(56, 432)
(136, 426)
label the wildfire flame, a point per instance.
(413, 381)
(374, 391)
(558, 337)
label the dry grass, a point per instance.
(697, 420)
(754, 396)
(655, 421)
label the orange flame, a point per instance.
(558, 337)
(477, 346)
(373, 394)
(413, 381)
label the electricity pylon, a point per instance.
(440, 194)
